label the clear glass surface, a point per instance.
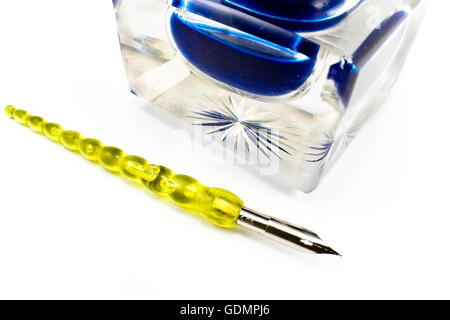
(284, 87)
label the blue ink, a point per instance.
(241, 21)
(379, 36)
(346, 75)
(293, 15)
(248, 62)
(116, 3)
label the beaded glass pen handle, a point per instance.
(218, 206)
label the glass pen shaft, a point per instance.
(218, 206)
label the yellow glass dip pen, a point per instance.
(218, 206)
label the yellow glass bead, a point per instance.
(136, 169)
(9, 110)
(21, 116)
(187, 191)
(36, 123)
(220, 207)
(53, 131)
(90, 148)
(162, 183)
(110, 158)
(70, 139)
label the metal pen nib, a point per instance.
(284, 232)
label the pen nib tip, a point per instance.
(332, 252)
(319, 248)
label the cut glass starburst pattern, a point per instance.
(244, 124)
(318, 154)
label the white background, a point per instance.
(68, 229)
